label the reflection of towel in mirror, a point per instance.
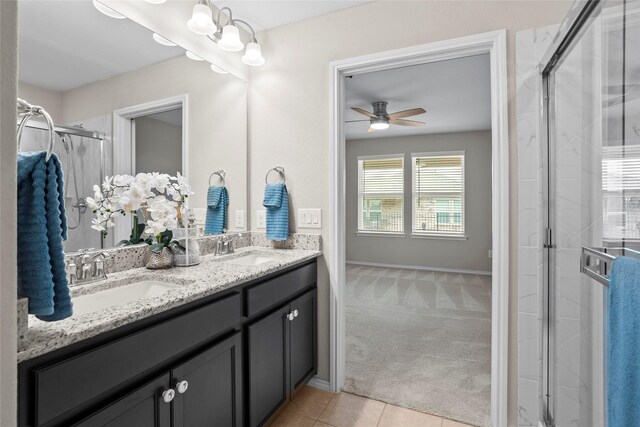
(276, 200)
(42, 227)
(624, 343)
(217, 202)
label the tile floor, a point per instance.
(420, 340)
(313, 407)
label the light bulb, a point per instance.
(162, 40)
(253, 55)
(193, 56)
(230, 40)
(107, 10)
(218, 69)
(201, 22)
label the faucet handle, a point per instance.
(72, 271)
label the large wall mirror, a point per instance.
(127, 100)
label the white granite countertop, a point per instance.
(211, 276)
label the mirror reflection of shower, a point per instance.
(75, 204)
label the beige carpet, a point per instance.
(421, 340)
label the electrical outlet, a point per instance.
(240, 218)
(261, 217)
(490, 253)
(309, 218)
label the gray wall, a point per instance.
(470, 254)
(158, 146)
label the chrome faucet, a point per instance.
(226, 245)
(83, 267)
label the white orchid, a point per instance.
(159, 193)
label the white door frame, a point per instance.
(124, 145)
(493, 43)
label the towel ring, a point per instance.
(221, 173)
(279, 170)
(28, 111)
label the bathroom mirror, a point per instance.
(127, 100)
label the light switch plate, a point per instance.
(240, 219)
(261, 219)
(309, 218)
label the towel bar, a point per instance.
(595, 262)
(27, 111)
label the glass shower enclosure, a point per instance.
(591, 104)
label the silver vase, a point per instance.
(157, 260)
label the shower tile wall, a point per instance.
(530, 46)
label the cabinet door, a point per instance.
(142, 408)
(209, 387)
(303, 339)
(268, 365)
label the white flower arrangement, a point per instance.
(160, 194)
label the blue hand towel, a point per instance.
(624, 343)
(276, 200)
(42, 227)
(217, 203)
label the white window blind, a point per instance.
(381, 194)
(438, 193)
(621, 192)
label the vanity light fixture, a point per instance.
(224, 31)
(162, 40)
(201, 22)
(218, 69)
(106, 10)
(193, 56)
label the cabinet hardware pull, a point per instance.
(182, 386)
(295, 313)
(290, 316)
(168, 395)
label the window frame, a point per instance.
(359, 229)
(462, 235)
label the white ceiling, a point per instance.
(66, 44)
(264, 14)
(456, 94)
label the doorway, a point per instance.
(493, 44)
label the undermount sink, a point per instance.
(120, 295)
(251, 259)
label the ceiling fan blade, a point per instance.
(371, 129)
(406, 113)
(356, 121)
(365, 112)
(406, 122)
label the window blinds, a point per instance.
(438, 186)
(381, 194)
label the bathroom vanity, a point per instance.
(228, 347)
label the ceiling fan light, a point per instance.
(165, 42)
(106, 10)
(218, 70)
(230, 40)
(253, 55)
(379, 124)
(193, 56)
(201, 22)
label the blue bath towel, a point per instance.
(42, 227)
(276, 200)
(217, 203)
(624, 343)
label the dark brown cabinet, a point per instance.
(231, 359)
(282, 355)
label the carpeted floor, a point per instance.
(420, 340)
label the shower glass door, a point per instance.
(593, 193)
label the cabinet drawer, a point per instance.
(279, 289)
(66, 385)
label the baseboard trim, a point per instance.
(420, 267)
(318, 383)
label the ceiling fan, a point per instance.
(380, 119)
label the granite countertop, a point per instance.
(211, 276)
